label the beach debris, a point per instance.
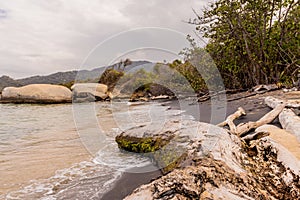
(260, 89)
(290, 121)
(272, 102)
(282, 136)
(287, 118)
(255, 136)
(269, 87)
(239, 93)
(290, 89)
(217, 163)
(242, 129)
(160, 97)
(229, 120)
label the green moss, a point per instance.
(139, 145)
(167, 157)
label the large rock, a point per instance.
(211, 163)
(90, 92)
(36, 93)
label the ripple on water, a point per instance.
(85, 180)
(24, 126)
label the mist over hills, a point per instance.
(68, 76)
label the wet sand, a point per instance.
(129, 182)
(61, 150)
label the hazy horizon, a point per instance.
(44, 37)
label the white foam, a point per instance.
(111, 156)
(70, 181)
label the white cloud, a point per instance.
(41, 37)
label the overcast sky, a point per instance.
(46, 36)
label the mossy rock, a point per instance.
(141, 145)
(166, 154)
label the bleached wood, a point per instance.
(229, 120)
(287, 118)
(244, 128)
(266, 119)
(272, 102)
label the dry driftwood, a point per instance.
(290, 121)
(266, 119)
(259, 89)
(287, 118)
(242, 129)
(229, 120)
(272, 102)
(207, 96)
(255, 136)
(245, 96)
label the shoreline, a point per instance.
(128, 182)
(254, 107)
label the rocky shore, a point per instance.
(226, 169)
(51, 94)
(212, 163)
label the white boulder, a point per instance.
(37, 93)
(91, 91)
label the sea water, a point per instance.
(34, 137)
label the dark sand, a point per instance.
(128, 182)
(253, 106)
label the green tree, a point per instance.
(252, 41)
(111, 76)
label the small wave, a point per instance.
(111, 156)
(82, 181)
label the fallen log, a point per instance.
(229, 120)
(255, 136)
(287, 118)
(283, 137)
(259, 89)
(290, 122)
(270, 87)
(207, 96)
(272, 102)
(242, 129)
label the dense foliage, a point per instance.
(190, 73)
(112, 75)
(252, 41)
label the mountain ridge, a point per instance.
(92, 75)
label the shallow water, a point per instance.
(68, 151)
